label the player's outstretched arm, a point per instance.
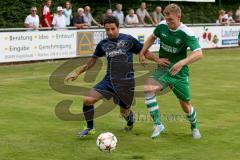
(73, 76)
(160, 61)
(145, 48)
(195, 56)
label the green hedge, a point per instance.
(13, 13)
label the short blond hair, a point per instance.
(80, 9)
(172, 8)
(221, 12)
(33, 9)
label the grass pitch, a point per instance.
(30, 130)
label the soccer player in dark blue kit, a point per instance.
(119, 79)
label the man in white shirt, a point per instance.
(32, 20)
(142, 13)
(119, 14)
(131, 18)
(59, 19)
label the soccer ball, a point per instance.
(106, 142)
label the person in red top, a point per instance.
(46, 20)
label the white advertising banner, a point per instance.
(23, 46)
(42, 45)
(216, 37)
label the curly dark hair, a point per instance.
(111, 19)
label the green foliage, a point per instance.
(13, 13)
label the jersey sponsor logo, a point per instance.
(108, 47)
(115, 53)
(168, 48)
(178, 41)
(113, 49)
(164, 35)
(124, 45)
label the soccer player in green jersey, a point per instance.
(175, 38)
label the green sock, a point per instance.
(192, 118)
(152, 106)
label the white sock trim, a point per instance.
(150, 101)
(191, 111)
(149, 95)
(153, 109)
(193, 121)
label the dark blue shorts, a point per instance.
(106, 88)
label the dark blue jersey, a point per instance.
(119, 55)
(119, 80)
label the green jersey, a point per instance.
(174, 43)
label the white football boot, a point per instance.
(196, 133)
(157, 129)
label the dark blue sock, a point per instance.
(89, 115)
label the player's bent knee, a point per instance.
(89, 100)
(186, 106)
(149, 89)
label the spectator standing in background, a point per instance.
(119, 14)
(67, 12)
(46, 20)
(59, 19)
(221, 19)
(88, 18)
(238, 15)
(107, 14)
(157, 15)
(228, 17)
(32, 20)
(142, 13)
(78, 20)
(131, 18)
